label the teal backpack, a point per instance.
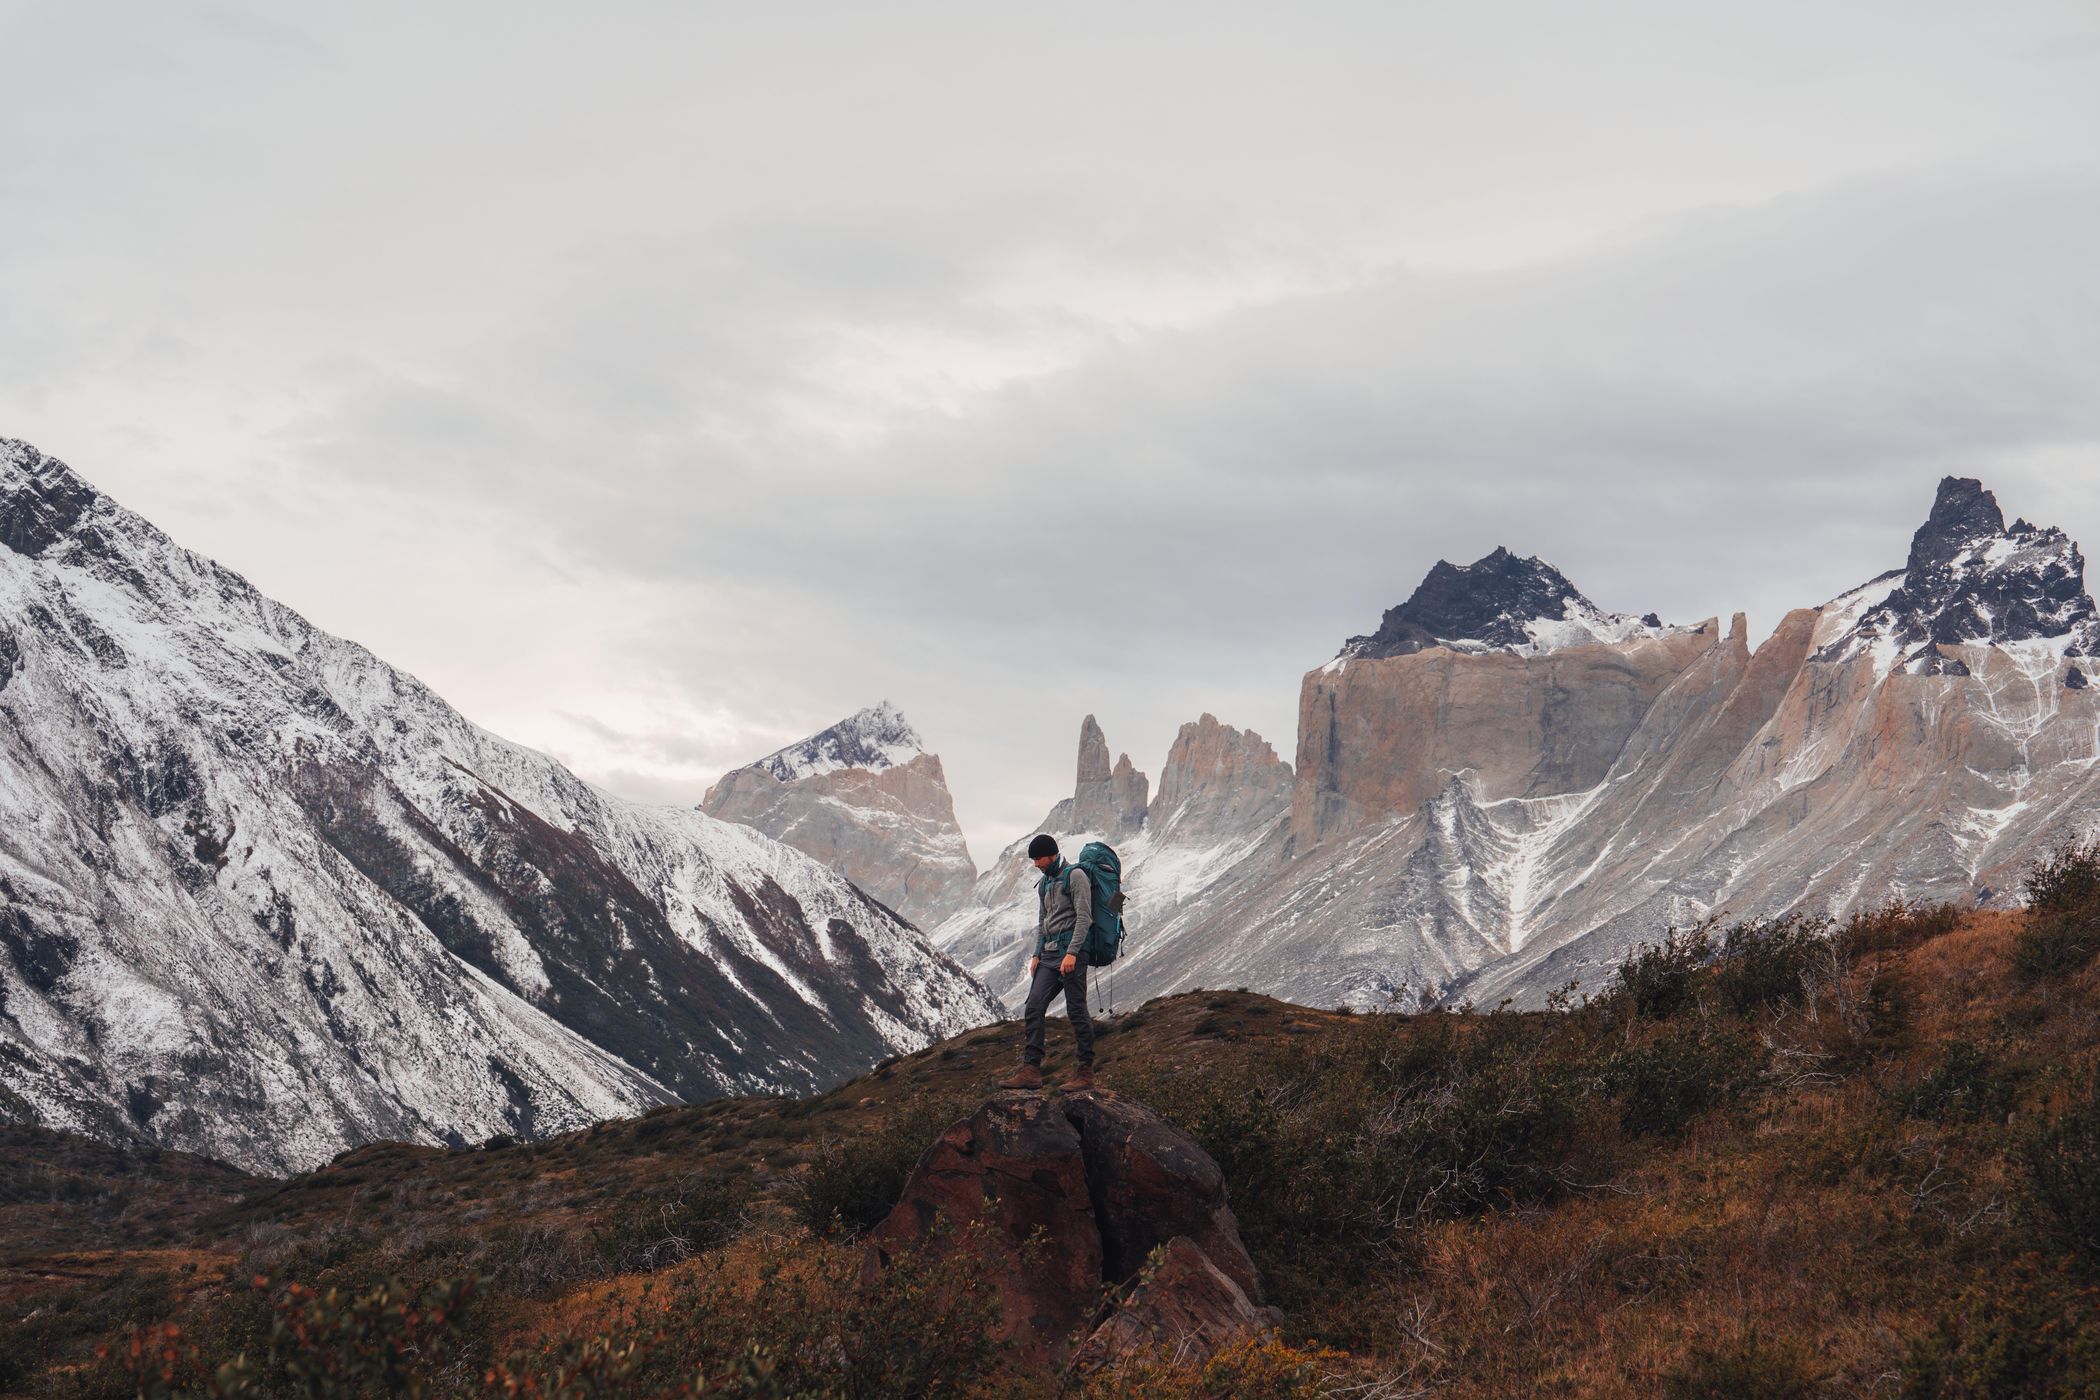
(1105, 938)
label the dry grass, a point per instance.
(1814, 1234)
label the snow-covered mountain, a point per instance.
(1970, 580)
(865, 798)
(1504, 788)
(263, 896)
(1525, 607)
(876, 738)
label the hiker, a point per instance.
(1065, 903)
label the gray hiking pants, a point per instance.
(1041, 992)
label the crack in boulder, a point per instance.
(1106, 1228)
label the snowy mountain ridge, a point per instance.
(263, 896)
(1498, 603)
(876, 738)
(1970, 579)
(866, 799)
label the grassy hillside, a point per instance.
(1777, 1160)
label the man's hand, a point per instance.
(1071, 961)
(1031, 965)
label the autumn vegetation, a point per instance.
(1780, 1159)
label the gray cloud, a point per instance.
(722, 373)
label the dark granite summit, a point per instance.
(1483, 606)
(1970, 578)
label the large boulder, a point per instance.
(1151, 1183)
(1015, 1168)
(1078, 1198)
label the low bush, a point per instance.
(1896, 925)
(1963, 1087)
(394, 1340)
(697, 1214)
(2061, 933)
(1765, 962)
(794, 1319)
(2053, 945)
(1259, 1369)
(852, 1183)
(2062, 1164)
(1345, 1146)
(53, 1326)
(1655, 982)
(2066, 880)
(1746, 1370)
(1665, 1082)
(2028, 1329)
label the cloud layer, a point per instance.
(663, 386)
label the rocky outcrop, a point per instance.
(1079, 1198)
(1108, 801)
(1184, 1306)
(1016, 1166)
(1218, 782)
(864, 798)
(1151, 1184)
(264, 897)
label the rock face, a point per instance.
(1380, 735)
(1223, 796)
(1218, 783)
(1015, 1164)
(264, 897)
(1150, 1184)
(1074, 1194)
(864, 798)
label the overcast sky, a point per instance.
(662, 382)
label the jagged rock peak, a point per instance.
(41, 499)
(1969, 579)
(1204, 747)
(1106, 798)
(1219, 781)
(876, 738)
(1093, 752)
(1497, 603)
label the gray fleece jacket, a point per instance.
(1064, 903)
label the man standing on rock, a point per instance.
(1065, 914)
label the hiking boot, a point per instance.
(1026, 1077)
(1081, 1078)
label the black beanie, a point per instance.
(1042, 846)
